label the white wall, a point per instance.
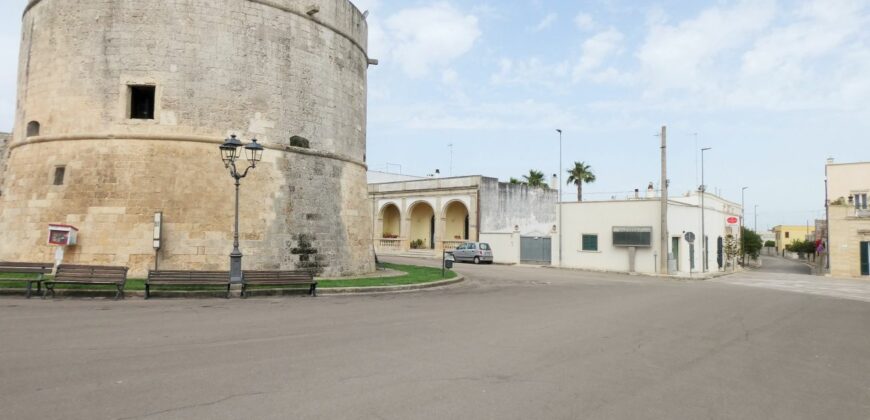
(601, 217)
(505, 246)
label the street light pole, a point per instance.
(742, 228)
(559, 201)
(703, 211)
(230, 153)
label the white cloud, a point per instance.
(584, 22)
(684, 55)
(529, 72)
(449, 77)
(596, 51)
(545, 23)
(430, 36)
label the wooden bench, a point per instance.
(88, 275)
(40, 269)
(187, 278)
(279, 278)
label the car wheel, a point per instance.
(477, 260)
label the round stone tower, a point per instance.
(122, 106)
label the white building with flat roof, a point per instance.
(624, 235)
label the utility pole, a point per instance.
(450, 146)
(756, 218)
(663, 263)
(742, 225)
(559, 130)
(703, 190)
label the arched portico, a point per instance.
(421, 221)
(456, 221)
(391, 222)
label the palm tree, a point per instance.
(535, 179)
(515, 181)
(581, 174)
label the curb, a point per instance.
(334, 291)
(337, 291)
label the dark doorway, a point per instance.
(466, 229)
(432, 233)
(865, 258)
(720, 250)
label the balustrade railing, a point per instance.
(388, 244)
(451, 245)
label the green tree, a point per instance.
(514, 181)
(770, 244)
(535, 179)
(579, 175)
(751, 244)
(731, 249)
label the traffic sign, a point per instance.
(733, 220)
(690, 237)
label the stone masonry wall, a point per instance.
(847, 232)
(4, 149)
(255, 68)
(504, 206)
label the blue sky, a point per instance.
(774, 87)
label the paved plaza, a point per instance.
(509, 343)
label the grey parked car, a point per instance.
(476, 252)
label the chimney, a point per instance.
(554, 182)
(637, 193)
(437, 173)
(650, 191)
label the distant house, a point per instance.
(788, 234)
(425, 216)
(625, 235)
(848, 218)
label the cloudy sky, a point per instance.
(774, 87)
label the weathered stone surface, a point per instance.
(4, 149)
(255, 68)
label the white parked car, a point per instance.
(476, 252)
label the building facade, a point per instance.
(431, 215)
(848, 187)
(788, 234)
(624, 235)
(122, 106)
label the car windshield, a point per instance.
(484, 247)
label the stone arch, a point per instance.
(421, 217)
(391, 217)
(456, 221)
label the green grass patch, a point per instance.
(413, 275)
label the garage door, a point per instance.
(535, 250)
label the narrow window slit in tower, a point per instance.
(142, 102)
(59, 173)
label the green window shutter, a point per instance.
(865, 258)
(590, 242)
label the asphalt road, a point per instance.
(783, 265)
(511, 343)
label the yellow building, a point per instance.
(848, 186)
(786, 235)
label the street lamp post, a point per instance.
(703, 190)
(559, 201)
(230, 153)
(742, 228)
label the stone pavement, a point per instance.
(511, 343)
(855, 289)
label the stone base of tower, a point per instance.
(298, 209)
